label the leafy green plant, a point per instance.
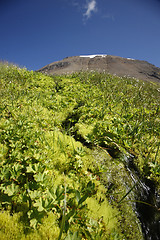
(56, 127)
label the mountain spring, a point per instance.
(147, 205)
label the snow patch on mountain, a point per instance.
(130, 59)
(92, 56)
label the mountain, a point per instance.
(105, 63)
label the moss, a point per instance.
(10, 227)
(117, 183)
(103, 212)
(47, 230)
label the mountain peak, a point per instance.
(105, 63)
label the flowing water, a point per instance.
(147, 205)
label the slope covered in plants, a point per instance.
(63, 140)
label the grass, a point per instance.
(60, 139)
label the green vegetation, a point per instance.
(60, 141)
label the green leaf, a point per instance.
(78, 196)
(39, 204)
(50, 194)
(34, 194)
(11, 189)
(39, 177)
(48, 204)
(70, 214)
(30, 213)
(30, 169)
(59, 193)
(17, 167)
(73, 236)
(83, 198)
(111, 135)
(90, 186)
(33, 223)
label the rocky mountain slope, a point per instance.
(105, 63)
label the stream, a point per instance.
(147, 206)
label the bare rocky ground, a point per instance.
(105, 63)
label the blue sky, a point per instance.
(34, 33)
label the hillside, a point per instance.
(105, 63)
(79, 156)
